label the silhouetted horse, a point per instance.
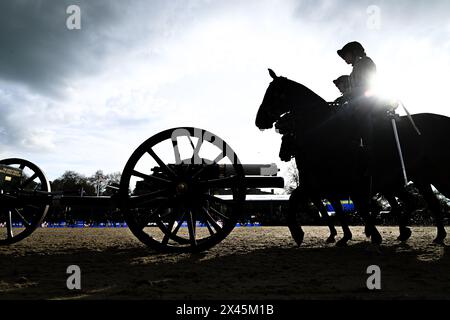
(286, 127)
(329, 158)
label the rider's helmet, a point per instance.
(342, 81)
(353, 47)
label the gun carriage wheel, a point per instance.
(19, 217)
(169, 190)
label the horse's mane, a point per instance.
(306, 92)
(317, 111)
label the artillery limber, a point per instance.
(170, 192)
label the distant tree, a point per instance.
(112, 183)
(73, 183)
(98, 181)
(293, 179)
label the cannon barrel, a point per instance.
(256, 175)
(264, 182)
(253, 169)
(270, 169)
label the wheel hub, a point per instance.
(181, 188)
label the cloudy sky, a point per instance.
(85, 99)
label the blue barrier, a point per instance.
(346, 205)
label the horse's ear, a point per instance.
(272, 74)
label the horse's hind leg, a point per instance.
(340, 214)
(402, 216)
(369, 220)
(326, 217)
(435, 207)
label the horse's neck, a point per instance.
(306, 99)
(308, 107)
(317, 122)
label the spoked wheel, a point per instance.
(17, 223)
(169, 190)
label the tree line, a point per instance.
(72, 183)
(99, 184)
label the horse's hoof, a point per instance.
(342, 243)
(298, 237)
(440, 238)
(376, 239)
(331, 239)
(405, 234)
(367, 232)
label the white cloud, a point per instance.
(205, 65)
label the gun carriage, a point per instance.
(169, 194)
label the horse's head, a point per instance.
(275, 102)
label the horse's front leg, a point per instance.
(297, 199)
(326, 217)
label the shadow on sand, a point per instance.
(269, 273)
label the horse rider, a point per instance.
(364, 69)
(343, 84)
(359, 97)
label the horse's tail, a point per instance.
(435, 145)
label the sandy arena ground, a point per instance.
(252, 263)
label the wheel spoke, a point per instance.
(26, 223)
(167, 230)
(29, 180)
(211, 231)
(149, 177)
(144, 222)
(146, 198)
(211, 220)
(195, 175)
(9, 231)
(219, 157)
(176, 151)
(220, 214)
(196, 153)
(191, 226)
(192, 143)
(162, 165)
(180, 222)
(173, 233)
